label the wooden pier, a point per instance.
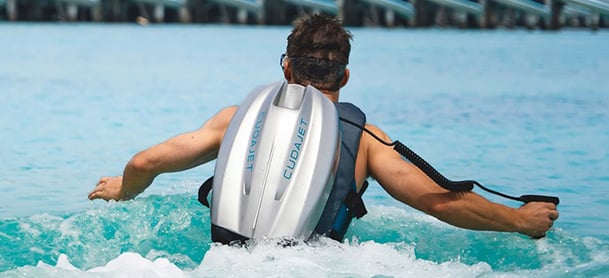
(544, 14)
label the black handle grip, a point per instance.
(540, 198)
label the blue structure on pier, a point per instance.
(466, 6)
(401, 8)
(253, 6)
(326, 6)
(528, 6)
(245, 8)
(598, 6)
(165, 3)
(86, 3)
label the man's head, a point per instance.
(318, 52)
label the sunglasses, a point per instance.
(283, 56)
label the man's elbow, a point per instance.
(143, 163)
(436, 209)
(439, 206)
(448, 206)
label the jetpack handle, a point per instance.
(540, 198)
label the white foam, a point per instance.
(328, 259)
(128, 265)
(134, 265)
(267, 259)
(64, 263)
(325, 258)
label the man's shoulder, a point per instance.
(375, 136)
(227, 112)
(221, 120)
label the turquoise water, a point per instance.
(522, 112)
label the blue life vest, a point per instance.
(344, 202)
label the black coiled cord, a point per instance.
(459, 186)
(437, 177)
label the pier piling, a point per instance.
(11, 9)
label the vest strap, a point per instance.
(204, 191)
(355, 204)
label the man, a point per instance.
(317, 54)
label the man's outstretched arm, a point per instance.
(408, 184)
(179, 153)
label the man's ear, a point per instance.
(345, 78)
(287, 70)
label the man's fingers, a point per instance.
(550, 206)
(98, 195)
(95, 193)
(99, 189)
(553, 215)
(102, 181)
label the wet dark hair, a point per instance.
(318, 49)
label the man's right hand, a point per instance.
(108, 188)
(539, 218)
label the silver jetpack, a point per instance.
(276, 165)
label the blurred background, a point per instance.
(478, 14)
